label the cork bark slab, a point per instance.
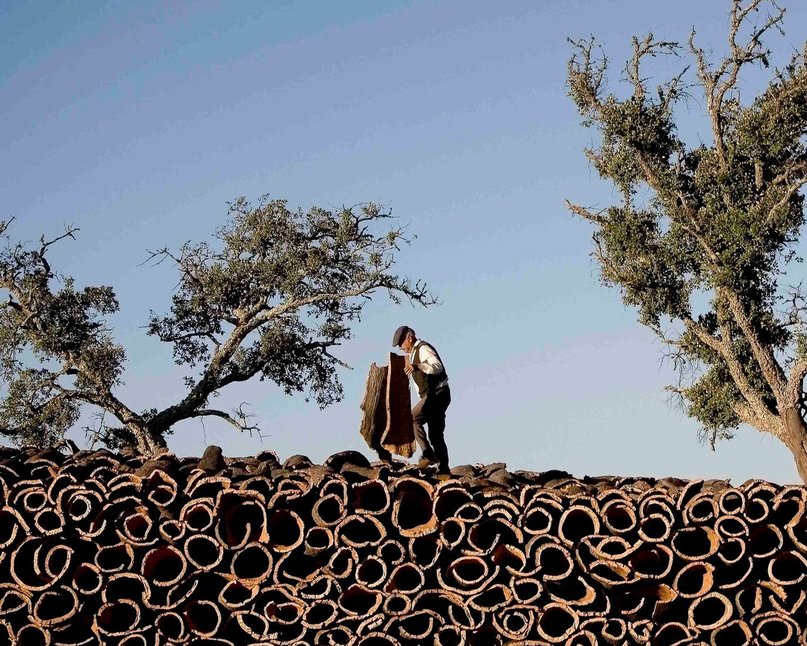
(399, 434)
(374, 420)
(387, 418)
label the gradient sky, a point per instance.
(138, 121)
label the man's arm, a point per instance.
(429, 363)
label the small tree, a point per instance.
(702, 258)
(275, 292)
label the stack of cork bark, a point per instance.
(99, 548)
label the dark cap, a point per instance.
(399, 335)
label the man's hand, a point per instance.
(408, 369)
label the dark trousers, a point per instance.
(431, 411)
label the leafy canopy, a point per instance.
(270, 295)
(703, 234)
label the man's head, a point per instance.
(404, 338)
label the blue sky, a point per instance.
(138, 121)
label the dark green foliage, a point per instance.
(702, 257)
(61, 330)
(269, 296)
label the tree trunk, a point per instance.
(795, 438)
(147, 442)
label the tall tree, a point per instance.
(269, 297)
(703, 236)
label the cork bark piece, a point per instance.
(399, 434)
(374, 420)
(387, 418)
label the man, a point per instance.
(427, 371)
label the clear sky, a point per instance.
(138, 121)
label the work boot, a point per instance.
(425, 462)
(384, 455)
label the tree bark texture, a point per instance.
(387, 419)
(374, 419)
(795, 437)
(399, 431)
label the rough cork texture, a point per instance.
(98, 548)
(399, 436)
(386, 406)
(373, 405)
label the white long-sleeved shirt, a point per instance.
(429, 363)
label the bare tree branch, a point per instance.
(586, 214)
(239, 421)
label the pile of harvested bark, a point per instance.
(98, 548)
